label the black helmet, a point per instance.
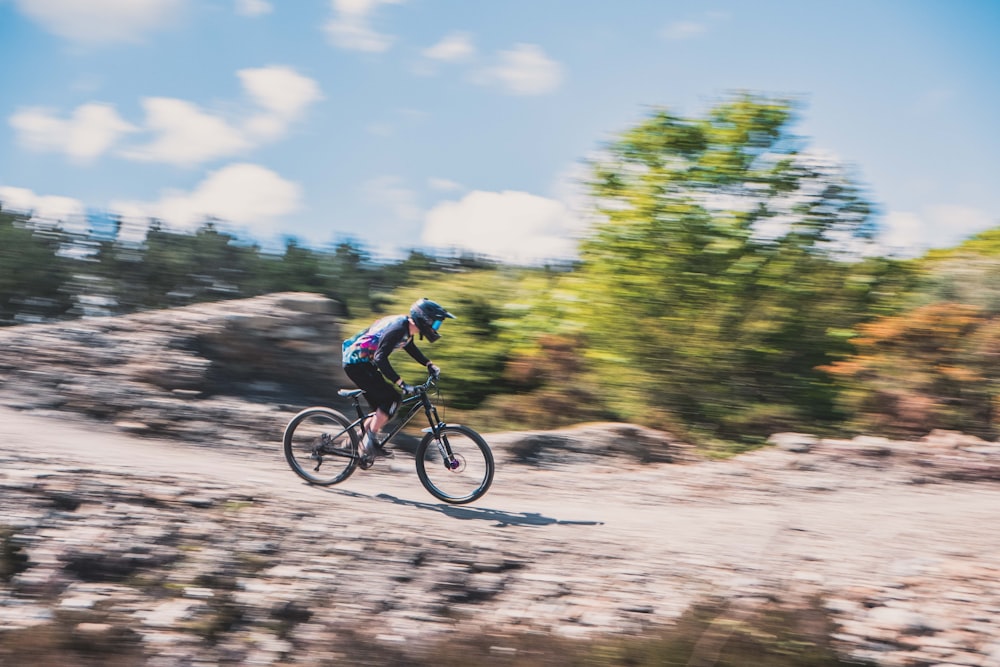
(428, 316)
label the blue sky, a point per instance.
(464, 123)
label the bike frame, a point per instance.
(413, 404)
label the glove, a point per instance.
(433, 370)
(407, 389)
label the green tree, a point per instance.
(473, 349)
(352, 277)
(723, 273)
(33, 274)
(514, 354)
(176, 268)
(968, 273)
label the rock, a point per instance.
(132, 426)
(939, 439)
(159, 372)
(870, 445)
(312, 304)
(198, 593)
(604, 442)
(963, 468)
(94, 628)
(899, 620)
(793, 442)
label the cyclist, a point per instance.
(366, 362)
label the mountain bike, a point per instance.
(454, 463)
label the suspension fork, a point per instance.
(432, 415)
(436, 427)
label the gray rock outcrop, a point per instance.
(214, 372)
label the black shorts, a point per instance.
(378, 392)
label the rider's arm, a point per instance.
(389, 341)
(414, 351)
(381, 358)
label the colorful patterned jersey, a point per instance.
(377, 342)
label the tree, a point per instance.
(968, 273)
(723, 272)
(33, 274)
(351, 275)
(934, 367)
(933, 364)
(176, 268)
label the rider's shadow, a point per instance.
(501, 517)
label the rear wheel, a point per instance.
(320, 446)
(457, 467)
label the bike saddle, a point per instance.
(349, 393)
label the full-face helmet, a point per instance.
(428, 316)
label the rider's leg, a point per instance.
(381, 395)
(376, 421)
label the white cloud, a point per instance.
(89, 132)
(44, 207)
(909, 234)
(679, 30)
(253, 7)
(524, 70)
(280, 89)
(183, 133)
(512, 226)
(97, 21)
(454, 47)
(443, 184)
(186, 135)
(242, 194)
(350, 28)
(684, 30)
(283, 93)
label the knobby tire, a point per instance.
(321, 437)
(468, 482)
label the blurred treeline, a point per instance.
(727, 289)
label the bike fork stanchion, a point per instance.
(449, 458)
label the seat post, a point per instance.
(355, 396)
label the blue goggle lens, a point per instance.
(436, 325)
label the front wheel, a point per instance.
(457, 466)
(320, 446)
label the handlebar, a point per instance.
(427, 384)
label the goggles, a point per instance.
(436, 325)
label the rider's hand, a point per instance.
(433, 370)
(407, 389)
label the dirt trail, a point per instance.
(651, 510)
(597, 546)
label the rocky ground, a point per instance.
(227, 558)
(173, 548)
